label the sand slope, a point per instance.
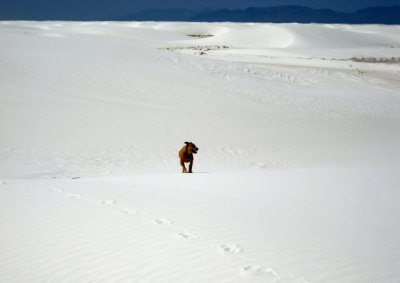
(297, 174)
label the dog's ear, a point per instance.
(187, 142)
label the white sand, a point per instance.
(298, 167)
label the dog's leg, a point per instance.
(183, 167)
(190, 166)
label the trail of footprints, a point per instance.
(78, 196)
(226, 250)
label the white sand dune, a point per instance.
(297, 174)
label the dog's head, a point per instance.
(191, 147)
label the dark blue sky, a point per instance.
(105, 8)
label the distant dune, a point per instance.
(298, 14)
(281, 14)
(87, 11)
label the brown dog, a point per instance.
(186, 155)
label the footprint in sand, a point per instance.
(187, 235)
(259, 270)
(69, 195)
(56, 190)
(126, 211)
(229, 249)
(106, 202)
(102, 202)
(163, 221)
